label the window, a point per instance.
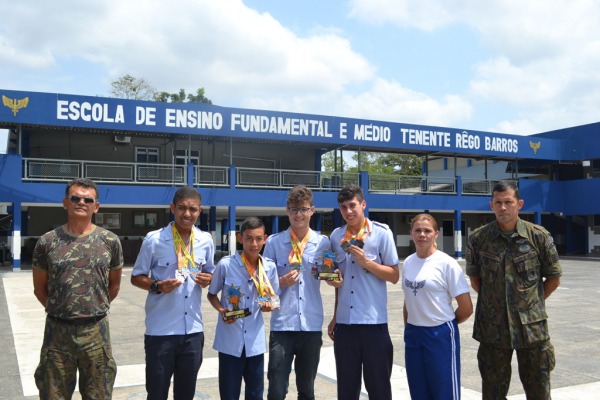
(181, 157)
(146, 155)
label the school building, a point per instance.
(243, 162)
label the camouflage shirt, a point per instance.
(511, 311)
(78, 267)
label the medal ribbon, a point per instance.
(262, 283)
(184, 258)
(298, 247)
(361, 235)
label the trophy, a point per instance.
(234, 295)
(328, 266)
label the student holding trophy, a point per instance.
(367, 257)
(248, 284)
(296, 329)
(174, 263)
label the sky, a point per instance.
(515, 67)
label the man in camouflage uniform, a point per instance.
(76, 274)
(513, 266)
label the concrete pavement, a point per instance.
(574, 327)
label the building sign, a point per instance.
(205, 119)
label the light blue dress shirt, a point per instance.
(362, 299)
(248, 332)
(177, 312)
(301, 303)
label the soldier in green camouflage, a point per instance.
(76, 274)
(513, 265)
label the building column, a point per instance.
(190, 174)
(337, 218)
(231, 241)
(16, 236)
(318, 221)
(212, 223)
(274, 224)
(224, 234)
(458, 234)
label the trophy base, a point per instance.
(329, 276)
(237, 314)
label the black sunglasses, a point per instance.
(76, 199)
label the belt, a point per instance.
(77, 321)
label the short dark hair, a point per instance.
(300, 194)
(83, 182)
(503, 186)
(349, 192)
(186, 192)
(252, 223)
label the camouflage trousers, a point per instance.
(68, 348)
(535, 364)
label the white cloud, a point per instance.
(226, 47)
(542, 62)
(544, 56)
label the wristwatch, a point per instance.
(154, 287)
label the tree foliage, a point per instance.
(129, 87)
(181, 97)
(376, 163)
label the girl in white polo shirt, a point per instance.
(430, 280)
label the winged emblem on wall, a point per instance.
(14, 104)
(535, 146)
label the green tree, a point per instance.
(129, 87)
(376, 163)
(181, 97)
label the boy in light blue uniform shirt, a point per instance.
(246, 281)
(367, 257)
(296, 329)
(174, 264)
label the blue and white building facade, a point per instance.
(244, 161)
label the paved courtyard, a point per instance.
(574, 327)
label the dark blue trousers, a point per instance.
(432, 359)
(303, 349)
(367, 350)
(177, 356)
(231, 371)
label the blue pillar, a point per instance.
(586, 236)
(231, 240)
(318, 222)
(274, 224)
(204, 221)
(458, 234)
(190, 174)
(224, 233)
(364, 184)
(232, 180)
(212, 223)
(570, 245)
(16, 242)
(337, 218)
(537, 217)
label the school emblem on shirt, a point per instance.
(414, 285)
